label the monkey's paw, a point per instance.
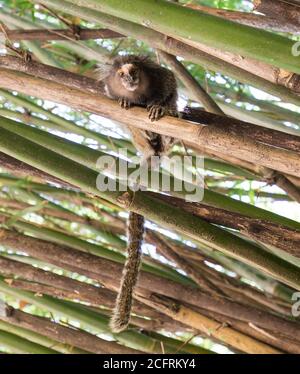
(156, 112)
(124, 103)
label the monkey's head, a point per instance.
(129, 75)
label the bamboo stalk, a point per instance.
(39, 339)
(190, 82)
(217, 139)
(194, 319)
(101, 270)
(61, 34)
(269, 233)
(174, 20)
(20, 345)
(91, 320)
(143, 204)
(65, 335)
(288, 12)
(269, 72)
(210, 198)
(254, 20)
(173, 46)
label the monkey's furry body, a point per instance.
(136, 80)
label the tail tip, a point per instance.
(118, 324)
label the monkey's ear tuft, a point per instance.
(102, 71)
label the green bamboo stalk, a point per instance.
(33, 120)
(167, 215)
(23, 195)
(19, 345)
(174, 20)
(210, 198)
(88, 157)
(39, 339)
(65, 124)
(157, 40)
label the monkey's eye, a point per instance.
(121, 73)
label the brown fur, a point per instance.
(122, 310)
(136, 80)
(154, 87)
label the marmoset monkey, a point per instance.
(136, 80)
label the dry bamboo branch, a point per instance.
(289, 13)
(63, 286)
(65, 335)
(264, 135)
(266, 232)
(275, 340)
(167, 251)
(63, 34)
(197, 321)
(254, 20)
(237, 128)
(208, 136)
(190, 82)
(102, 270)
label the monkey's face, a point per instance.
(129, 75)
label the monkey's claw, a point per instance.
(124, 103)
(156, 112)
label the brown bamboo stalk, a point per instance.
(60, 34)
(158, 321)
(288, 12)
(65, 335)
(63, 286)
(163, 248)
(273, 23)
(199, 322)
(237, 127)
(190, 82)
(211, 137)
(101, 270)
(215, 118)
(266, 232)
